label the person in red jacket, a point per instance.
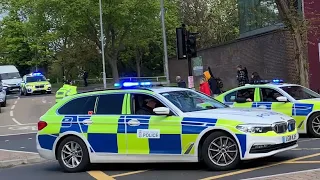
(204, 87)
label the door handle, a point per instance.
(134, 122)
(87, 122)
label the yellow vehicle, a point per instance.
(65, 90)
(34, 83)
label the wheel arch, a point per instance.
(64, 135)
(308, 118)
(205, 133)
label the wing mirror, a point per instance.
(282, 99)
(162, 110)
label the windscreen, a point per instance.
(35, 79)
(300, 92)
(12, 75)
(190, 101)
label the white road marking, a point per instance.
(15, 102)
(29, 138)
(18, 125)
(18, 151)
(13, 119)
(17, 134)
(11, 113)
(22, 147)
(282, 174)
(6, 141)
(21, 128)
(12, 107)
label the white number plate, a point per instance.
(286, 139)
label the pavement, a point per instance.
(19, 158)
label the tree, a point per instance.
(217, 21)
(298, 26)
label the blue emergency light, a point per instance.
(274, 81)
(133, 84)
(36, 74)
(277, 81)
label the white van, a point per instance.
(10, 78)
(3, 98)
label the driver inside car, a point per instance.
(147, 108)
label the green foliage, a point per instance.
(63, 36)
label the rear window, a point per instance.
(110, 104)
(79, 106)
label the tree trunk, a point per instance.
(302, 60)
(138, 62)
(114, 68)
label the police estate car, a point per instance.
(33, 83)
(293, 100)
(158, 124)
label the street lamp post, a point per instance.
(102, 48)
(166, 66)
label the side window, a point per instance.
(110, 104)
(246, 93)
(269, 95)
(142, 104)
(79, 106)
(230, 97)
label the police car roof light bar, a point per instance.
(135, 84)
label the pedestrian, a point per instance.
(85, 78)
(213, 83)
(242, 76)
(204, 87)
(255, 78)
(180, 82)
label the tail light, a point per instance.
(41, 125)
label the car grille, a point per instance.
(282, 127)
(41, 86)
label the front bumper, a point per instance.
(2, 96)
(12, 88)
(264, 146)
(31, 90)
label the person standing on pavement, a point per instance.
(180, 82)
(208, 75)
(85, 78)
(242, 76)
(204, 87)
(255, 78)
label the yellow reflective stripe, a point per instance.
(257, 97)
(186, 141)
(126, 106)
(229, 124)
(104, 124)
(137, 145)
(285, 108)
(54, 124)
(166, 125)
(244, 105)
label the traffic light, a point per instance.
(181, 34)
(192, 45)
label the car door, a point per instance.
(267, 100)
(106, 133)
(151, 134)
(246, 93)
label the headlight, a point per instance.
(49, 85)
(254, 128)
(4, 84)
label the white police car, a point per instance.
(158, 124)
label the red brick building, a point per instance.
(311, 11)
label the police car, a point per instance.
(34, 83)
(293, 100)
(158, 124)
(3, 98)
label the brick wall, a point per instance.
(271, 55)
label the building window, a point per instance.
(256, 14)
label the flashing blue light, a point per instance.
(277, 81)
(36, 74)
(132, 84)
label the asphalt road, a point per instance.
(306, 157)
(17, 132)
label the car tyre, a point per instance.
(77, 149)
(220, 156)
(4, 103)
(313, 125)
(48, 92)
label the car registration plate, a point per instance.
(286, 139)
